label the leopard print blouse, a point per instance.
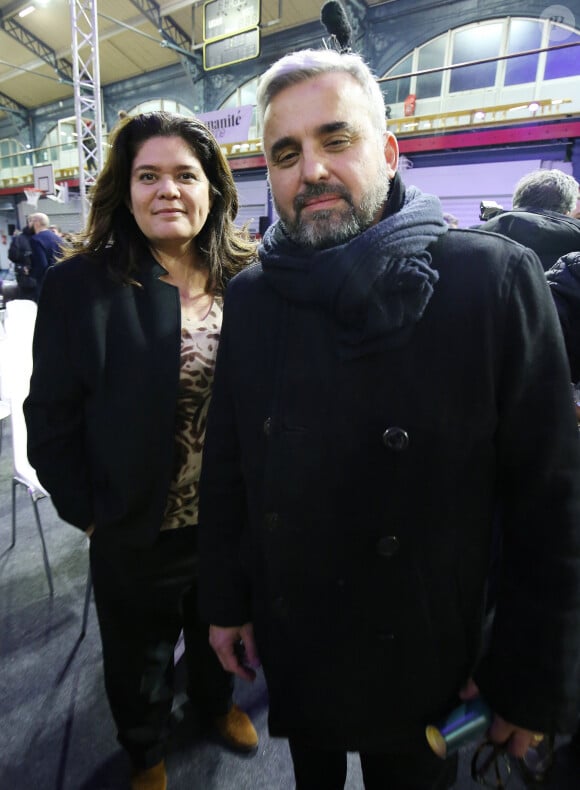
(199, 343)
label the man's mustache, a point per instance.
(315, 190)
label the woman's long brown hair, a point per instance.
(111, 228)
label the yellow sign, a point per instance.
(223, 18)
(242, 149)
(231, 49)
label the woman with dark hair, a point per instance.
(124, 350)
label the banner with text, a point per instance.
(231, 125)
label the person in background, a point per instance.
(20, 254)
(451, 220)
(45, 249)
(541, 218)
(126, 336)
(358, 451)
(564, 281)
(19, 249)
(55, 229)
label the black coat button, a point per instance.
(388, 546)
(396, 439)
(267, 426)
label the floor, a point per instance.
(55, 729)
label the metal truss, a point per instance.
(87, 95)
(9, 105)
(62, 67)
(173, 36)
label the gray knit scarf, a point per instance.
(376, 286)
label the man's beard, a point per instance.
(329, 227)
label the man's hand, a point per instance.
(517, 740)
(236, 649)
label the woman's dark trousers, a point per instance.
(144, 597)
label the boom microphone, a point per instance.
(334, 19)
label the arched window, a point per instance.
(498, 80)
(563, 63)
(396, 91)
(245, 94)
(525, 34)
(167, 105)
(13, 153)
(479, 42)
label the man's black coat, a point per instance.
(564, 281)
(548, 233)
(347, 506)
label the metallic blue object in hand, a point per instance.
(466, 723)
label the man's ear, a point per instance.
(391, 153)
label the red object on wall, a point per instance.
(530, 133)
(409, 104)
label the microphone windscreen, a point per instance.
(334, 19)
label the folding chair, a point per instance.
(17, 367)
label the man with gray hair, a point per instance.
(541, 218)
(381, 396)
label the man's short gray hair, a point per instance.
(300, 66)
(39, 217)
(550, 190)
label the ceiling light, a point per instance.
(533, 107)
(479, 115)
(25, 11)
(171, 6)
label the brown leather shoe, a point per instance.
(153, 778)
(237, 730)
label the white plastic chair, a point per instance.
(4, 413)
(19, 326)
(4, 404)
